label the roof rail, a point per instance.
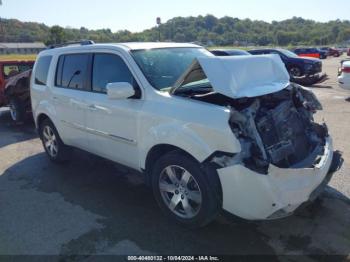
(81, 42)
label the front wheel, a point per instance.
(295, 71)
(183, 191)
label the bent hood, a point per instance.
(239, 76)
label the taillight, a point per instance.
(346, 69)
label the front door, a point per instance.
(112, 124)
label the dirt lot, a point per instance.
(92, 206)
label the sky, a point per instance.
(138, 15)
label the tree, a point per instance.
(57, 35)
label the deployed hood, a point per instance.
(238, 76)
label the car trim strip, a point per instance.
(100, 133)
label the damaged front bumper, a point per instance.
(309, 80)
(254, 196)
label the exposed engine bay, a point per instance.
(276, 128)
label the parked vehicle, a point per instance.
(308, 52)
(229, 52)
(344, 74)
(348, 53)
(209, 133)
(17, 94)
(331, 51)
(296, 66)
(323, 54)
(9, 69)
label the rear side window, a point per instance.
(108, 68)
(72, 71)
(42, 69)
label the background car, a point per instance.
(344, 74)
(348, 53)
(331, 51)
(296, 66)
(9, 69)
(323, 54)
(229, 52)
(17, 95)
(308, 52)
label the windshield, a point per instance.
(163, 66)
(288, 53)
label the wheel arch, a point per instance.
(156, 152)
(40, 118)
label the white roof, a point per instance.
(150, 45)
(241, 76)
(125, 46)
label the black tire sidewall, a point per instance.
(16, 105)
(210, 201)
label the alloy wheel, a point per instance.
(180, 191)
(50, 141)
(295, 72)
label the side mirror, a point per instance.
(120, 90)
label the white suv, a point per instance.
(209, 133)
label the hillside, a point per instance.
(204, 29)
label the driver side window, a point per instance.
(109, 68)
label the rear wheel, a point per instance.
(56, 150)
(183, 191)
(17, 110)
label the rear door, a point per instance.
(69, 97)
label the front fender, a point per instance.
(197, 140)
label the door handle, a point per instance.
(55, 99)
(92, 107)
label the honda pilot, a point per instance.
(209, 133)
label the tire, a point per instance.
(17, 110)
(295, 71)
(55, 149)
(194, 203)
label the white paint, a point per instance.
(245, 76)
(125, 130)
(254, 196)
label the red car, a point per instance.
(8, 71)
(308, 52)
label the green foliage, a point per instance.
(57, 35)
(207, 30)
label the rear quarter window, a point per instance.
(42, 69)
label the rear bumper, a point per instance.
(254, 196)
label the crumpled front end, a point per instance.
(285, 156)
(253, 196)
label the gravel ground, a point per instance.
(92, 206)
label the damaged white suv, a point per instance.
(209, 133)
